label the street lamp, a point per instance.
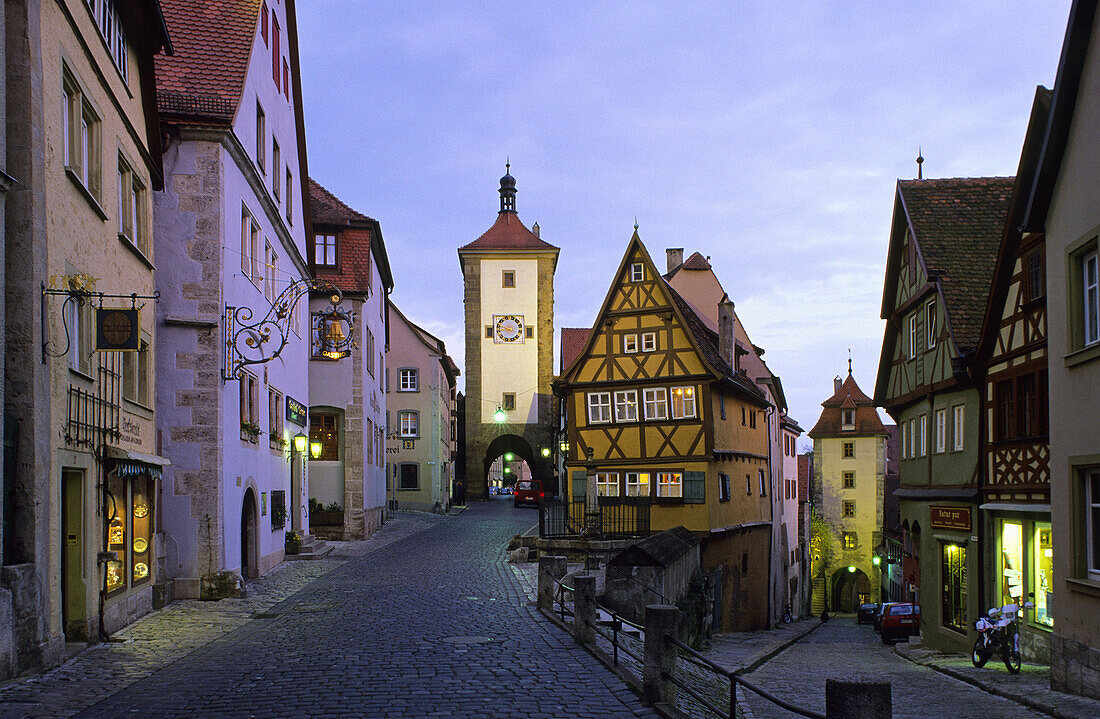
(545, 451)
(300, 442)
(508, 456)
(499, 416)
(315, 449)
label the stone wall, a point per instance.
(1074, 667)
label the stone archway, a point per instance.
(850, 589)
(503, 445)
(250, 556)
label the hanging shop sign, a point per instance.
(117, 330)
(296, 412)
(957, 518)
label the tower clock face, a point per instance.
(509, 328)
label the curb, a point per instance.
(771, 653)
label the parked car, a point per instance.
(528, 491)
(899, 622)
(866, 613)
(876, 621)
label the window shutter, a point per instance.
(695, 487)
(580, 485)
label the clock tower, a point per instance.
(509, 312)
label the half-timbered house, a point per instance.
(1015, 492)
(943, 246)
(659, 418)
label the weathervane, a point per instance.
(249, 343)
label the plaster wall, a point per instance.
(510, 367)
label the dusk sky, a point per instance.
(768, 136)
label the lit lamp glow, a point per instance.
(876, 561)
(508, 456)
(300, 442)
(315, 449)
(545, 451)
(563, 446)
(499, 416)
(852, 569)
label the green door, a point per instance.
(73, 592)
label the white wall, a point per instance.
(509, 367)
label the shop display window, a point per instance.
(141, 513)
(116, 533)
(1011, 572)
(1043, 566)
(953, 574)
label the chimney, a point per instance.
(674, 257)
(725, 329)
(535, 230)
(836, 384)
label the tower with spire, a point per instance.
(849, 472)
(508, 275)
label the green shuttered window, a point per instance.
(695, 487)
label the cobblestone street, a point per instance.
(425, 619)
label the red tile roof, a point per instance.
(957, 224)
(697, 262)
(212, 40)
(848, 396)
(573, 340)
(508, 233)
(353, 269)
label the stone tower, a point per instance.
(509, 302)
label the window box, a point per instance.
(249, 432)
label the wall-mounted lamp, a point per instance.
(499, 416)
(300, 442)
(545, 451)
(563, 446)
(315, 449)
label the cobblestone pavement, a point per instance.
(430, 623)
(841, 649)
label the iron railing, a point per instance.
(617, 518)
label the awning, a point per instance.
(1016, 507)
(134, 464)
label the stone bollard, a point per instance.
(584, 609)
(659, 654)
(551, 570)
(858, 700)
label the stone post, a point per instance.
(858, 700)
(551, 570)
(660, 654)
(591, 498)
(584, 609)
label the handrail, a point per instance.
(695, 695)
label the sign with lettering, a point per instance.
(296, 412)
(949, 518)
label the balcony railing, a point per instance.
(618, 518)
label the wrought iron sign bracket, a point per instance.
(80, 291)
(259, 342)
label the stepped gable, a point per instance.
(508, 233)
(212, 39)
(848, 396)
(958, 224)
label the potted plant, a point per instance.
(250, 431)
(293, 542)
(276, 440)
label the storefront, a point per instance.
(130, 511)
(1020, 568)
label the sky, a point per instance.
(766, 136)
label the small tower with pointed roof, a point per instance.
(508, 276)
(849, 470)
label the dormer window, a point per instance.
(324, 250)
(848, 418)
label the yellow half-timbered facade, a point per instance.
(658, 415)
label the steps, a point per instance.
(312, 548)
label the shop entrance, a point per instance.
(249, 559)
(73, 590)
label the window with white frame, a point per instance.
(324, 250)
(723, 487)
(1090, 284)
(930, 324)
(408, 380)
(913, 336)
(607, 484)
(1092, 522)
(683, 402)
(763, 483)
(670, 484)
(599, 407)
(958, 429)
(368, 349)
(630, 343)
(261, 136)
(637, 272)
(79, 320)
(848, 418)
(276, 162)
(81, 130)
(912, 438)
(249, 409)
(655, 401)
(409, 423)
(904, 444)
(649, 342)
(941, 430)
(289, 197)
(626, 406)
(637, 484)
(132, 223)
(250, 245)
(271, 268)
(109, 24)
(922, 421)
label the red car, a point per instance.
(528, 491)
(899, 622)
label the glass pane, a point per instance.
(1044, 574)
(1011, 564)
(116, 532)
(142, 517)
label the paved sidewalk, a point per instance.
(163, 637)
(745, 651)
(1031, 687)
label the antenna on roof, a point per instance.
(920, 162)
(849, 361)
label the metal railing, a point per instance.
(618, 518)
